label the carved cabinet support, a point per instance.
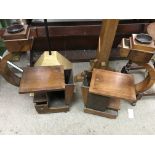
(148, 82)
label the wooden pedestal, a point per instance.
(102, 91)
(140, 54)
(20, 35)
(18, 42)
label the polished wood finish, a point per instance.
(56, 100)
(19, 42)
(136, 52)
(112, 84)
(36, 79)
(149, 48)
(141, 54)
(7, 74)
(97, 104)
(21, 35)
(101, 91)
(148, 82)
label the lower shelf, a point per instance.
(50, 102)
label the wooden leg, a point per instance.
(127, 67)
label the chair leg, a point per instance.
(138, 96)
(127, 67)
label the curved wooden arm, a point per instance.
(7, 74)
(148, 82)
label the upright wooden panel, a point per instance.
(69, 91)
(106, 39)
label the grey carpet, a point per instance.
(18, 115)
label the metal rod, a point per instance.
(13, 65)
(47, 35)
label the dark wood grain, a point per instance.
(69, 36)
(80, 37)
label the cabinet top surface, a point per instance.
(112, 84)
